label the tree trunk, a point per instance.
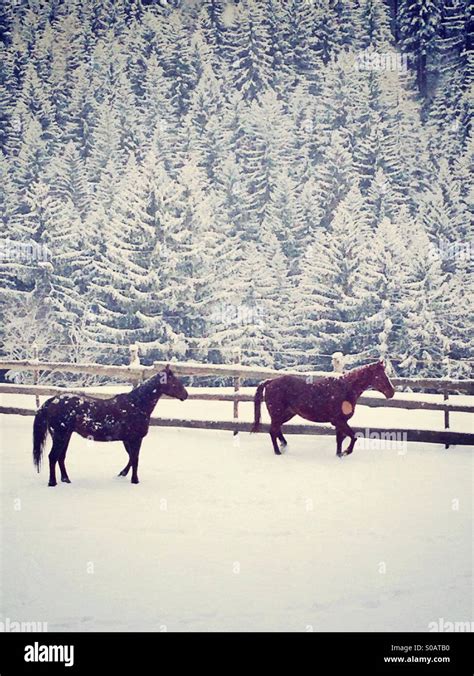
(421, 74)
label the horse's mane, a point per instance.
(144, 389)
(353, 373)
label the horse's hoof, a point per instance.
(135, 481)
(66, 480)
(50, 483)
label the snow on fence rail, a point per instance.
(135, 373)
(376, 402)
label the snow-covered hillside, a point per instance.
(283, 176)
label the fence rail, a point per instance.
(375, 402)
(136, 372)
(427, 436)
(133, 373)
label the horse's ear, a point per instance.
(167, 368)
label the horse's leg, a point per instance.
(275, 431)
(340, 436)
(275, 425)
(279, 414)
(126, 469)
(135, 452)
(287, 415)
(62, 461)
(54, 455)
(348, 432)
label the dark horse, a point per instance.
(125, 417)
(327, 400)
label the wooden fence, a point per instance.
(135, 373)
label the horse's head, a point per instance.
(171, 385)
(380, 381)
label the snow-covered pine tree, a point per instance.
(214, 16)
(122, 266)
(344, 96)
(129, 131)
(283, 216)
(424, 343)
(458, 312)
(252, 315)
(156, 311)
(154, 103)
(231, 188)
(329, 35)
(80, 115)
(445, 215)
(392, 268)
(7, 93)
(247, 48)
(450, 115)
(49, 271)
(106, 141)
(334, 174)
(66, 51)
(418, 25)
(299, 40)
(335, 294)
(404, 143)
(68, 178)
(384, 201)
(174, 40)
(7, 196)
(266, 149)
(205, 111)
(32, 158)
(63, 236)
(373, 26)
(196, 276)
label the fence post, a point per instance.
(338, 360)
(446, 414)
(237, 357)
(34, 349)
(134, 361)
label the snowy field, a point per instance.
(222, 535)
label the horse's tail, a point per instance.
(258, 404)
(40, 430)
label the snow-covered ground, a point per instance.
(222, 535)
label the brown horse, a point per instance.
(125, 418)
(327, 400)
